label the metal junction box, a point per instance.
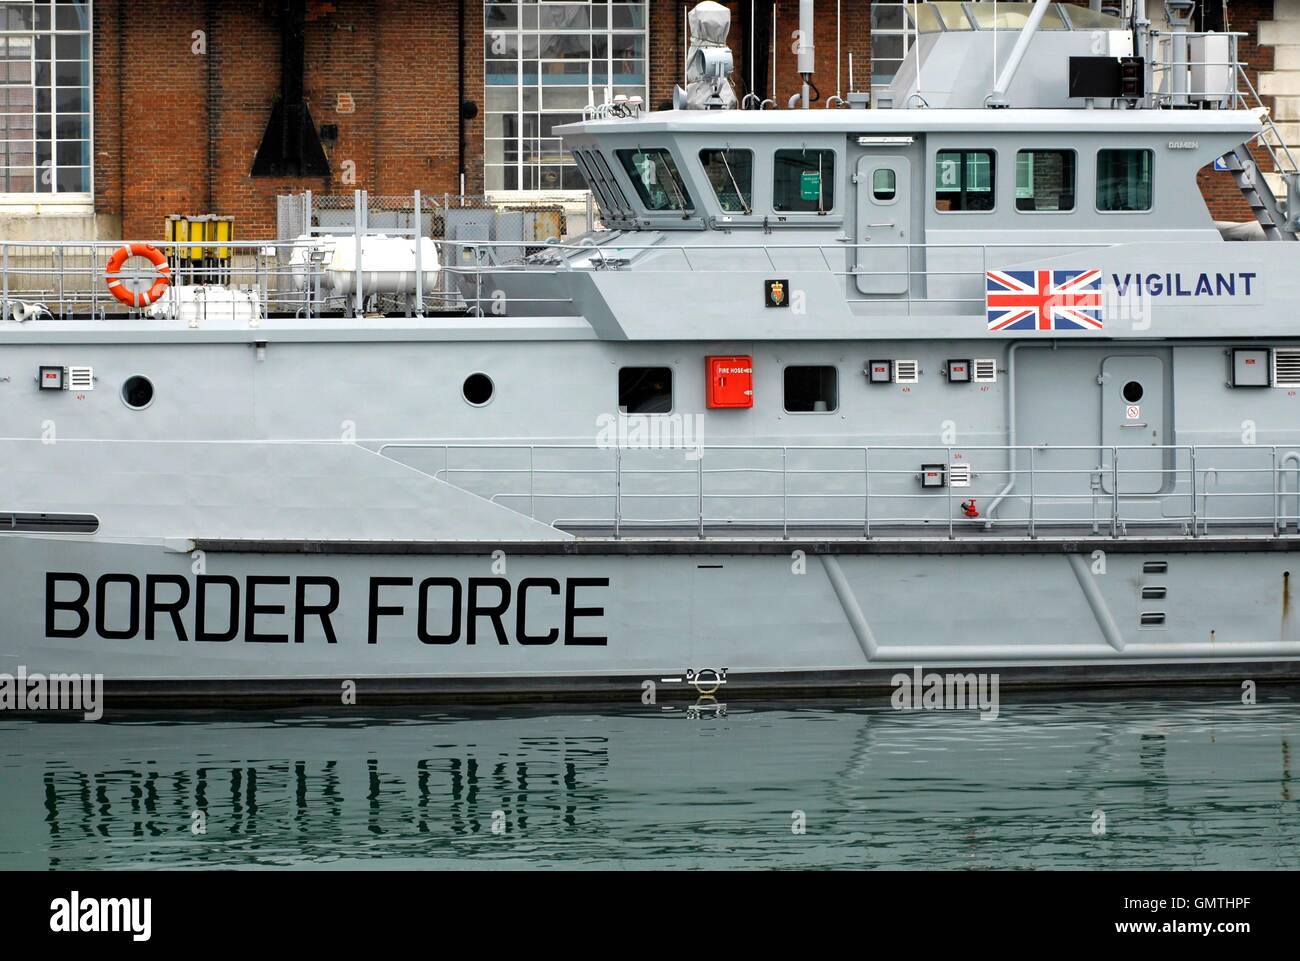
(1250, 367)
(934, 475)
(880, 371)
(730, 381)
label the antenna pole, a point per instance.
(805, 50)
(998, 98)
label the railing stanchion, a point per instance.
(1195, 512)
(532, 482)
(947, 483)
(1032, 496)
(866, 504)
(785, 497)
(699, 474)
(618, 491)
(1276, 505)
(1114, 493)
(419, 263)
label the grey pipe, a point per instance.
(1011, 433)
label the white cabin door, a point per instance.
(1133, 417)
(880, 257)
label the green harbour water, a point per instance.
(1181, 779)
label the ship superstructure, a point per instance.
(966, 375)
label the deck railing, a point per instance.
(1111, 491)
(64, 281)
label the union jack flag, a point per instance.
(1044, 300)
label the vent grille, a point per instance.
(1286, 367)
(81, 378)
(1154, 593)
(1155, 567)
(959, 475)
(1153, 618)
(986, 371)
(907, 371)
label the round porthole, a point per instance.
(477, 389)
(1132, 392)
(137, 392)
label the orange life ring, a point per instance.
(133, 298)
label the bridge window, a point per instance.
(655, 177)
(811, 390)
(803, 181)
(731, 174)
(1124, 180)
(1045, 180)
(645, 390)
(963, 180)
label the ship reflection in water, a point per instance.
(1159, 781)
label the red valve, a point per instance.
(968, 508)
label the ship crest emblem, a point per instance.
(775, 292)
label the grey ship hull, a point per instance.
(602, 618)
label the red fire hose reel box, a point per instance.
(730, 381)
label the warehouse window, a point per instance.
(543, 63)
(45, 99)
(892, 35)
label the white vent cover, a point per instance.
(959, 475)
(81, 378)
(1286, 367)
(907, 371)
(986, 370)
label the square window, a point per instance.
(1045, 180)
(963, 180)
(811, 389)
(803, 181)
(655, 177)
(731, 174)
(645, 390)
(1124, 180)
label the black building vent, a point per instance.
(290, 147)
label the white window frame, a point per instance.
(519, 33)
(79, 202)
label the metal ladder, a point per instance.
(1275, 215)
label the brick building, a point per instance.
(116, 113)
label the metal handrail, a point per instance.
(1172, 504)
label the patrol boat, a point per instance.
(963, 375)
